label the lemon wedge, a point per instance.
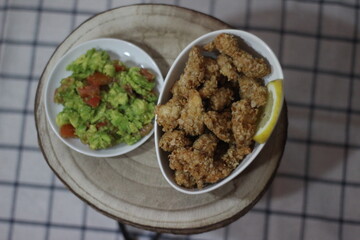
(270, 112)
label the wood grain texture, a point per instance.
(130, 188)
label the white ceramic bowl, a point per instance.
(128, 53)
(173, 75)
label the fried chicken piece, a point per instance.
(184, 179)
(209, 87)
(244, 119)
(194, 70)
(210, 47)
(206, 143)
(194, 168)
(193, 162)
(226, 67)
(219, 124)
(179, 89)
(221, 98)
(211, 67)
(219, 171)
(244, 62)
(235, 154)
(169, 113)
(191, 117)
(254, 90)
(172, 140)
(193, 74)
(212, 73)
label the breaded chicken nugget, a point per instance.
(254, 90)
(210, 47)
(193, 74)
(221, 99)
(212, 73)
(172, 140)
(244, 62)
(184, 179)
(179, 89)
(211, 67)
(219, 171)
(206, 143)
(226, 67)
(244, 119)
(209, 87)
(235, 154)
(194, 168)
(191, 117)
(193, 162)
(219, 124)
(169, 113)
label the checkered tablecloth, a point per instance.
(316, 192)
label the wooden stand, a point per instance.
(130, 188)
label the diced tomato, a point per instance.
(93, 101)
(89, 91)
(99, 79)
(118, 67)
(90, 94)
(128, 89)
(67, 131)
(147, 74)
(101, 124)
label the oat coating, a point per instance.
(226, 67)
(219, 171)
(244, 62)
(193, 167)
(212, 74)
(191, 117)
(193, 162)
(184, 179)
(219, 124)
(169, 113)
(254, 90)
(172, 140)
(234, 155)
(221, 98)
(193, 74)
(210, 47)
(206, 144)
(209, 87)
(244, 119)
(212, 67)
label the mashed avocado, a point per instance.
(105, 102)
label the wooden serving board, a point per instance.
(130, 188)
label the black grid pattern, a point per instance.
(314, 193)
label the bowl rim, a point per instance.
(49, 80)
(205, 38)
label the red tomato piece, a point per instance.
(93, 101)
(67, 131)
(119, 68)
(89, 91)
(99, 79)
(147, 74)
(90, 95)
(101, 124)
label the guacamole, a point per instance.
(105, 102)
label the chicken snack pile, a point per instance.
(212, 116)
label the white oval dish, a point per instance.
(126, 52)
(173, 75)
